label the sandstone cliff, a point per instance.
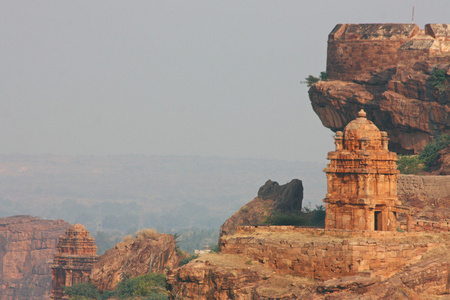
(146, 253)
(271, 198)
(27, 248)
(387, 70)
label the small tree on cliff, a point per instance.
(312, 79)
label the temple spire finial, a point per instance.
(362, 114)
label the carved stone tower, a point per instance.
(74, 257)
(362, 179)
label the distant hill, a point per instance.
(128, 192)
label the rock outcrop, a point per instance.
(27, 245)
(272, 198)
(133, 257)
(387, 70)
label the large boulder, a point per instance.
(272, 198)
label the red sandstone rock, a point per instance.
(134, 257)
(272, 197)
(27, 248)
(385, 69)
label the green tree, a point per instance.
(438, 78)
(430, 153)
(310, 80)
(82, 291)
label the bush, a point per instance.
(430, 153)
(147, 233)
(313, 79)
(307, 217)
(323, 76)
(151, 286)
(187, 259)
(409, 164)
(310, 80)
(437, 80)
(82, 291)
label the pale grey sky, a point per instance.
(206, 78)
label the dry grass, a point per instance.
(225, 260)
(147, 233)
(128, 238)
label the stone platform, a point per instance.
(323, 254)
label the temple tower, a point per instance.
(76, 252)
(362, 179)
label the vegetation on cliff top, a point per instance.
(147, 287)
(307, 217)
(313, 79)
(426, 160)
(438, 80)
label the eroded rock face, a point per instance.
(27, 245)
(272, 197)
(134, 257)
(387, 71)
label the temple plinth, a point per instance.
(362, 179)
(76, 252)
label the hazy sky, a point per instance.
(207, 78)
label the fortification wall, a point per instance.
(428, 187)
(425, 226)
(361, 49)
(365, 48)
(324, 258)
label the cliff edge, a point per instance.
(27, 248)
(398, 73)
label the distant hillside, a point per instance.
(128, 192)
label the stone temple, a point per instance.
(73, 260)
(362, 180)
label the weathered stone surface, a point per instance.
(134, 257)
(269, 262)
(362, 179)
(225, 276)
(76, 252)
(324, 254)
(287, 197)
(425, 187)
(386, 70)
(272, 197)
(27, 248)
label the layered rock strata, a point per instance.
(73, 260)
(27, 248)
(387, 69)
(134, 257)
